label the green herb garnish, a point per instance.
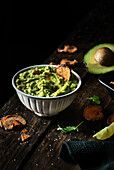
(69, 128)
(95, 99)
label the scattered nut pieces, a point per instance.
(68, 49)
(110, 119)
(68, 62)
(63, 71)
(24, 130)
(9, 121)
(24, 136)
(93, 113)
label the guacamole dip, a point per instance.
(44, 82)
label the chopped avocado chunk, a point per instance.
(92, 65)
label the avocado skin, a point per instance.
(92, 65)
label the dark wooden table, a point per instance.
(42, 150)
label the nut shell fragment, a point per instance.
(93, 113)
(9, 121)
(63, 71)
(24, 130)
(24, 137)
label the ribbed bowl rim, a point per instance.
(44, 98)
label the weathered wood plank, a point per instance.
(12, 150)
(42, 150)
(47, 154)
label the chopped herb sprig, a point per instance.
(95, 99)
(69, 128)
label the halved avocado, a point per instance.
(92, 65)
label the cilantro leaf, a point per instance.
(95, 99)
(69, 128)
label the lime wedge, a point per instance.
(105, 133)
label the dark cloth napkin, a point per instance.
(90, 155)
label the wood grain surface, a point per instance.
(42, 150)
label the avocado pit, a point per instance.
(104, 56)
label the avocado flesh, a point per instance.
(92, 65)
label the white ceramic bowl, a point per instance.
(45, 106)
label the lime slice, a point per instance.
(105, 133)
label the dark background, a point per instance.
(31, 32)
